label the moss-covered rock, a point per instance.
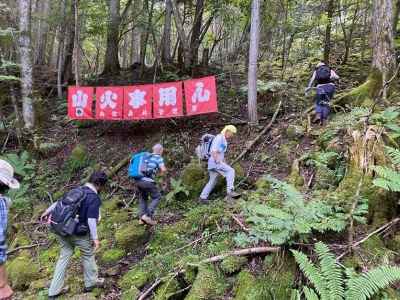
(167, 289)
(325, 178)
(394, 243)
(194, 177)
(364, 94)
(78, 159)
(112, 256)
(21, 239)
(137, 277)
(131, 236)
(130, 294)
(233, 264)
(295, 131)
(22, 271)
(208, 285)
(244, 285)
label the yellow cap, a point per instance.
(230, 128)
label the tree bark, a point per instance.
(253, 58)
(396, 17)
(28, 111)
(182, 35)
(146, 37)
(42, 32)
(136, 34)
(166, 40)
(348, 36)
(327, 47)
(111, 62)
(383, 58)
(196, 32)
(69, 47)
(77, 44)
(60, 52)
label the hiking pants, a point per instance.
(324, 95)
(222, 169)
(146, 189)
(68, 245)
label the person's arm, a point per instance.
(334, 76)
(215, 149)
(48, 211)
(93, 214)
(310, 84)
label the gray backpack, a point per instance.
(203, 149)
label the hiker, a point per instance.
(85, 202)
(218, 166)
(324, 78)
(7, 181)
(143, 168)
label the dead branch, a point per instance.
(236, 219)
(119, 166)
(241, 252)
(253, 142)
(378, 230)
(25, 247)
(149, 290)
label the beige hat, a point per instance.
(7, 175)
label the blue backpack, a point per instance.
(138, 166)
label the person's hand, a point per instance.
(96, 244)
(44, 217)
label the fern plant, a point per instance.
(389, 178)
(331, 282)
(292, 218)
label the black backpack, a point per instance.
(64, 217)
(323, 74)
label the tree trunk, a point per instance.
(136, 32)
(205, 57)
(42, 32)
(396, 17)
(60, 52)
(25, 47)
(327, 47)
(166, 40)
(253, 58)
(111, 62)
(146, 37)
(383, 58)
(77, 44)
(182, 35)
(69, 47)
(348, 36)
(196, 31)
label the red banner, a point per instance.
(167, 100)
(201, 96)
(137, 104)
(80, 101)
(109, 103)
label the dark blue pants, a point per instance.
(324, 95)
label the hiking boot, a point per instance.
(98, 285)
(148, 220)
(63, 292)
(233, 195)
(204, 201)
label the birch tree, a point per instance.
(25, 52)
(253, 57)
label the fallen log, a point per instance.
(241, 252)
(119, 166)
(253, 142)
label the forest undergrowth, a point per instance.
(300, 183)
